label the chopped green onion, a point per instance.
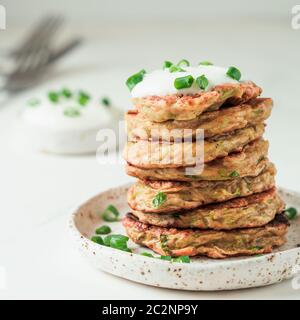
(84, 94)
(205, 63)
(66, 93)
(107, 240)
(117, 241)
(174, 68)
(82, 101)
(110, 214)
(106, 102)
(83, 98)
(72, 113)
(167, 258)
(234, 73)
(234, 174)
(103, 230)
(159, 199)
(184, 259)
(183, 82)
(202, 82)
(53, 96)
(167, 64)
(33, 102)
(135, 79)
(97, 239)
(119, 237)
(291, 213)
(183, 63)
(147, 254)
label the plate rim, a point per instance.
(211, 263)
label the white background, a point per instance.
(38, 190)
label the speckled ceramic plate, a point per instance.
(201, 273)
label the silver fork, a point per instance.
(40, 35)
(31, 68)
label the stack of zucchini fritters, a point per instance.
(229, 208)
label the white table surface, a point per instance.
(38, 190)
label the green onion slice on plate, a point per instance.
(110, 214)
(103, 230)
(291, 213)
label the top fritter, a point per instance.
(181, 92)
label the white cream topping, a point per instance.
(45, 127)
(161, 82)
(51, 115)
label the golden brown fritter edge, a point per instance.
(187, 107)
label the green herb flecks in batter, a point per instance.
(223, 173)
(191, 176)
(257, 112)
(164, 242)
(256, 248)
(159, 199)
(234, 174)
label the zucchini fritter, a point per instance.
(251, 161)
(252, 211)
(212, 243)
(213, 123)
(190, 195)
(187, 107)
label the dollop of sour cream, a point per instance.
(161, 82)
(65, 126)
(52, 115)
